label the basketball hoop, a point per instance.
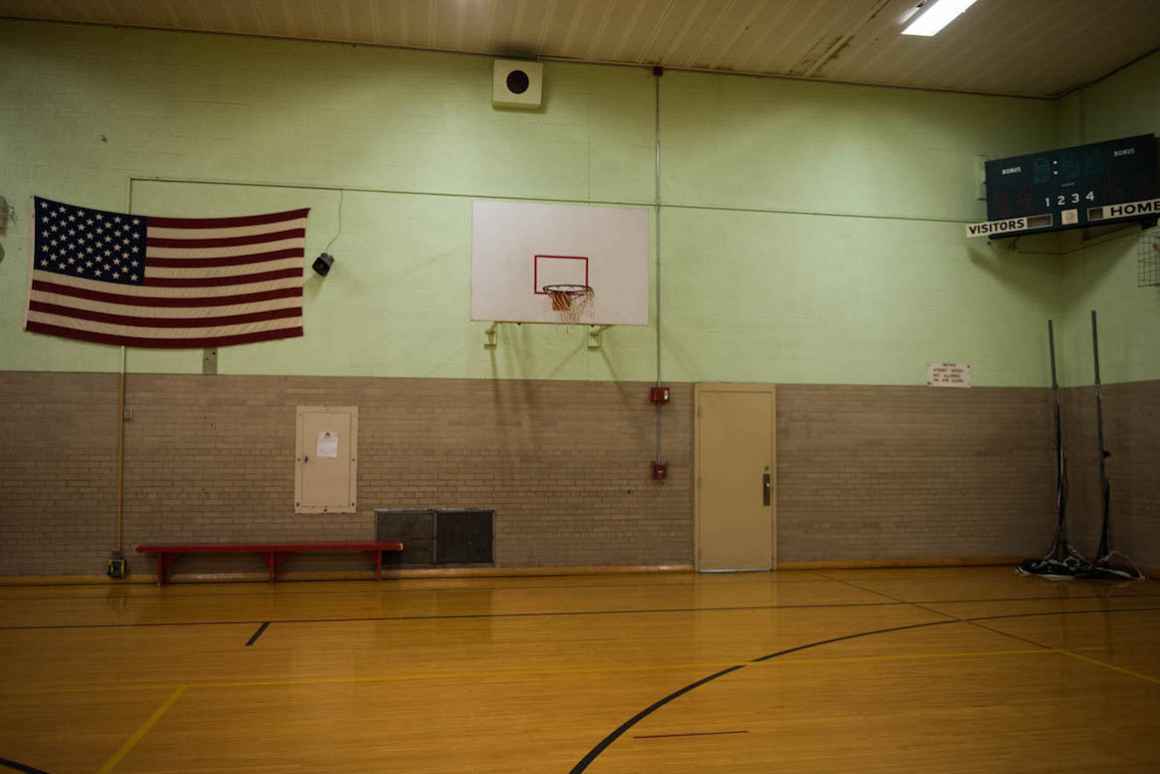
(570, 300)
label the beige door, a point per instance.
(735, 462)
(326, 464)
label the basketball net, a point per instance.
(570, 300)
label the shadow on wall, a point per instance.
(1021, 270)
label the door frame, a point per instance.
(699, 390)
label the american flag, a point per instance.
(141, 281)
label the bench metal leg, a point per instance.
(378, 565)
(161, 570)
(271, 565)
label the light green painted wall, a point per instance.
(1103, 276)
(812, 232)
(850, 264)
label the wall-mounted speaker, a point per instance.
(517, 84)
(323, 263)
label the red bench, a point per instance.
(165, 554)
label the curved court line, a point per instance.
(607, 741)
(4, 762)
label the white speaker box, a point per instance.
(517, 84)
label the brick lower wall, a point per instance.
(865, 473)
(900, 473)
(210, 459)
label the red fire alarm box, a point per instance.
(658, 394)
(660, 471)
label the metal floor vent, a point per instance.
(438, 536)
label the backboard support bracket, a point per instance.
(595, 336)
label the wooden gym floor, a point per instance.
(939, 670)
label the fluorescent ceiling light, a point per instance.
(938, 15)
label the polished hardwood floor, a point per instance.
(934, 670)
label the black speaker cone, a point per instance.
(517, 82)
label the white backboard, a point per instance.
(517, 248)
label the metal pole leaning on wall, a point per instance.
(1102, 553)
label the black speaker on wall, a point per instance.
(322, 264)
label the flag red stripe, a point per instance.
(252, 239)
(163, 322)
(225, 260)
(140, 341)
(245, 220)
(120, 298)
(213, 282)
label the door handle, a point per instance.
(305, 458)
(766, 487)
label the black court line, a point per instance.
(386, 589)
(570, 613)
(254, 637)
(587, 760)
(607, 741)
(457, 616)
(807, 646)
(922, 605)
(173, 591)
(688, 733)
(20, 767)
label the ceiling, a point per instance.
(1038, 48)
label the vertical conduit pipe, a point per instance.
(657, 72)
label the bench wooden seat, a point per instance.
(165, 554)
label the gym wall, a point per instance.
(811, 236)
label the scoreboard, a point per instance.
(1075, 187)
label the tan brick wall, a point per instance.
(865, 472)
(565, 464)
(1132, 435)
(58, 465)
(897, 473)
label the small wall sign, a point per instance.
(327, 445)
(948, 375)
